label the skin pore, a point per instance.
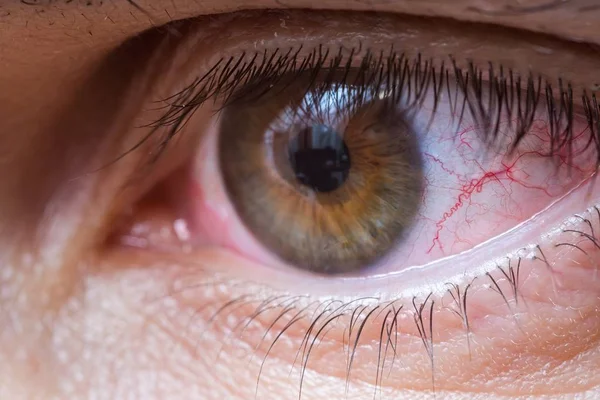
(83, 319)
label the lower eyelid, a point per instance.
(557, 297)
(244, 314)
(214, 293)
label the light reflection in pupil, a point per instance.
(319, 158)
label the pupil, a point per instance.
(319, 158)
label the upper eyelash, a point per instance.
(238, 77)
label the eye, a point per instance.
(338, 162)
(351, 190)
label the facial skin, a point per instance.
(84, 317)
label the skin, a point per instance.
(85, 319)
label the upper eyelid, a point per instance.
(245, 51)
(521, 51)
(190, 58)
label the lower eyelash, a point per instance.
(580, 231)
(248, 77)
(356, 314)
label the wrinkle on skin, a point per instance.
(547, 16)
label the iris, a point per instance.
(329, 178)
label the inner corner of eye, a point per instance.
(342, 178)
(154, 220)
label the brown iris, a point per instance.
(325, 180)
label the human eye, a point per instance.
(450, 187)
(291, 204)
(385, 158)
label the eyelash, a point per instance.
(238, 79)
